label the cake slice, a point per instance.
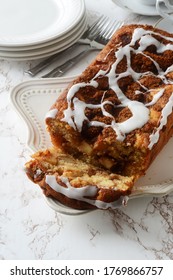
(76, 183)
(113, 119)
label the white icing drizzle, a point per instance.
(82, 193)
(51, 114)
(156, 97)
(154, 137)
(75, 116)
(69, 191)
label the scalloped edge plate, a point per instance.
(21, 26)
(80, 26)
(47, 50)
(26, 98)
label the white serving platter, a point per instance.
(32, 100)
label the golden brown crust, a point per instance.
(117, 115)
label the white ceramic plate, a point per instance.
(57, 40)
(45, 51)
(136, 7)
(26, 97)
(30, 22)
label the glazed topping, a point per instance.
(51, 114)
(75, 114)
(84, 194)
(154, 137)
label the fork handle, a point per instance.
(61, 69)
(43, 64)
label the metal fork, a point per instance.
(102, 38)
(90, 33)
(107, 31)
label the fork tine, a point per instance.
(94, 30)
(103, 28)
(96, 23)
(113, 27)
(106, 33)
(90, 28)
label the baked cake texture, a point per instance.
(110, 123)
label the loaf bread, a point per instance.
(111, 122)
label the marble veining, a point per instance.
(29, 229)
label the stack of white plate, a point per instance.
(32, 29)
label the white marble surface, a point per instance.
(29, 229)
